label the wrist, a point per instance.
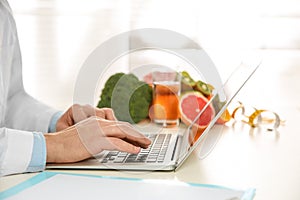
(65, 147)
(53, 148)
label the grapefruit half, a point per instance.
(191, 104)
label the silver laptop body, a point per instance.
(173, 142)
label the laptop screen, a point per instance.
(207, 137)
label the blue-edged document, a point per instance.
(49, 185)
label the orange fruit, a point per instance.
(225, 117)
(191, 104)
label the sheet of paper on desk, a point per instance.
(66, 186)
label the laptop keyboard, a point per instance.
(155, 153)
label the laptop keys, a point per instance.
(156, 152)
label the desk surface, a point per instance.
(244, 157)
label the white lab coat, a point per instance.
(20, 114)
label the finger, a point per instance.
(66, 120)
(82, 112)
(62, 125)
(128, 134)
(109, 114)
(95, 143)
(120, 145)
(93, 123)
(88, 111)
(122, 130)
(79, 113)
(106, 113)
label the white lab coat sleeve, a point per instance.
(22, 111)
(23, 119)
(26, 113)
(22, 151)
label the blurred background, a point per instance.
(56, 36)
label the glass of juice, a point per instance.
(166, 92)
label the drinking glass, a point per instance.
(166, 92)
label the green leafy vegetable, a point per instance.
(127, 96)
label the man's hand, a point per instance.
(77, 113)
(91, 136)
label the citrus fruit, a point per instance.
(191, 104)
(225, 117)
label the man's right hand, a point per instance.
(91, 136)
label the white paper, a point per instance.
(75, 187)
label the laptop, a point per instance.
(170, 146)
